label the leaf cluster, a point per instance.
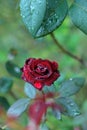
(42, 17)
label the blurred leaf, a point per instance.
(43, 127)
(5, 85)
(78, 14)
(51, 88)
(32, 12)
(13, 69)
(57, 113)
(56, 10)
(70, 87)
(18, 107)
(71, 108)
(30, 91)
(59, 80)
(4, 103)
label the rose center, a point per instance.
(41, 69)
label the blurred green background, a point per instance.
(16, 42)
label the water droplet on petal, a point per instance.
(38, 85)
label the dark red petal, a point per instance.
(51, 79)
(54, 65)
(29, 60)
(21, 69)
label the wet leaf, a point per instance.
(5, 85)
(71, 108)
(70, 87)
(78, 14)
(13, 69)
(29, 90)
(32, 12)
(56, 10)
(18, 107)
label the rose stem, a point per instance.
(13, 95)
(66, 51)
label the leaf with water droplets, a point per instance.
(32, 12)
(56, 10)
(70, 87)
(71, 108)
(78, 14)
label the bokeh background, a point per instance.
(17, 44)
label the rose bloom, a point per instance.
(40, 72)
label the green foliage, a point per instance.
(56, 10)
(44, 127)
(32, 12)
(42, 17)
(78, 14)
(5, 85)
(29, 90)
(14, 35)
(18, 107)
(70, 87)
(57, 114)
(4, 103)
(71, 108)
(13, 69)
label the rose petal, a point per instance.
(40, 72)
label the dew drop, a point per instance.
(17, 69)
(71, 79)
(37, 12)
(32, 8)
(39, 2)
(76, 113)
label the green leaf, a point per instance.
(70, 87)
(78, 14)
(59, 80)
(13, 69)
(18, 107)
(71, 108)
(5, 85)
(43, 127)
(29, 90)
(56, 10)
(32, 12)
(51, 88)
(4, 103)
(57, 114)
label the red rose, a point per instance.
(40, 72)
